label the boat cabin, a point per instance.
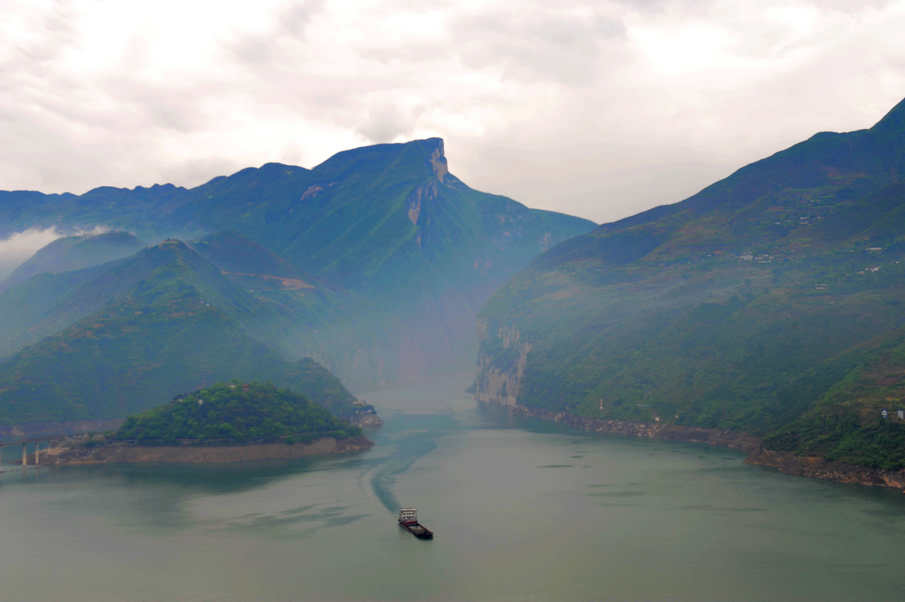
(408, 515)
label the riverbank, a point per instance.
(124, 453)
(816, 467)
(786, 462)
(367, 421)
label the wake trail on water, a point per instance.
(406, 451)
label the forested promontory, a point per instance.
(226, 422)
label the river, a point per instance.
(520, 512)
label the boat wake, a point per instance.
(406, 451)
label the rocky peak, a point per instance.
(438, 158)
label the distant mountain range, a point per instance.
(380, 255)
(375, 263)
(369, 219)
(771, 302)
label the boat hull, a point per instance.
(418, 530)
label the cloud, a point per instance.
(600, 108)
(22, 245)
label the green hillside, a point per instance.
(761, 304)
(235, 413)
(172, 323)
(45, 304)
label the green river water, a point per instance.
(519, 514)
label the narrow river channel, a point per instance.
(520, 512)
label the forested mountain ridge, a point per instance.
(383, 256)
(769, 303)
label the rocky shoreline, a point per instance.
(367, 420)
(74, 454)
(785, 462)
(816, 467)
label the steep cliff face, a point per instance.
(501, 365)
(416, 253)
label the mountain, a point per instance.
(46, 303)
(37, 298)
(356, 220)
(76, 252)
(409, 254)
(380, 255)
(157, 323)
(376, 217)
(138, 210)
(399, 253)
(768, 303)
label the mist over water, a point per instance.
(519, 513)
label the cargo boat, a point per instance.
(408, 520)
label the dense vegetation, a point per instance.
(235, 413)
(847, 423)
(767, 303)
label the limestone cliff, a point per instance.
(500, 374)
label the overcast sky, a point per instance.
(600, 109)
